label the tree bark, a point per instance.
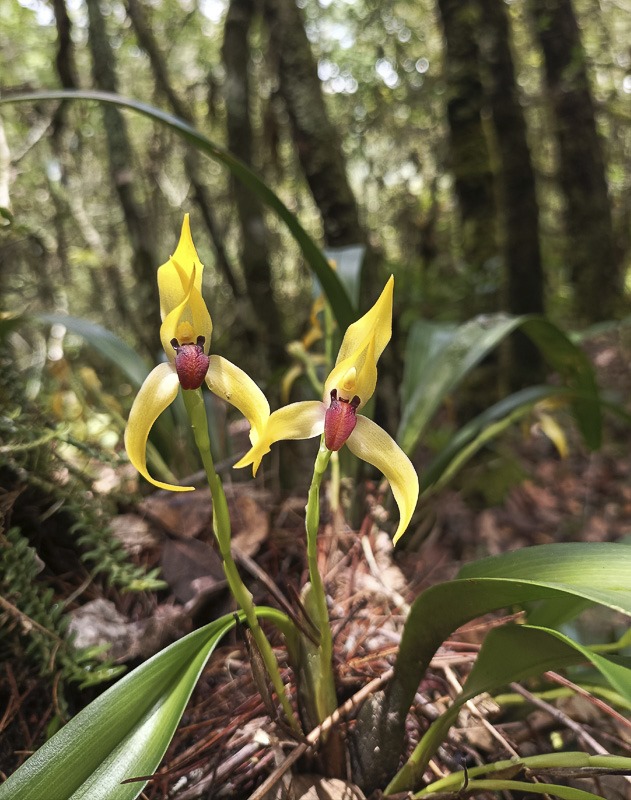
(255, 255)
(64, 58)
(469, 152)
(594, 264)
(316, 140)
(519, 211)
(141, 231)
(65, 63)
(192, 161)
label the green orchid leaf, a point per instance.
(452, 357)
(106, 343)
(424, 341)
(509, 653)
(575, 368)
(125, 732)
(477, 432)
(595, 572)
(571, 763)
(341, 306)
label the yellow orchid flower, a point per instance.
(349, 386)
(185, 334)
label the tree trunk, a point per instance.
(67, 196)
(316, 140)
(591, 251)
(141, 231)
(192, 161)
(469, 152)
(516, 186)
(255, 256)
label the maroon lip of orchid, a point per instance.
(339, 421)
(191, 363)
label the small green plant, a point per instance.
(28, 609)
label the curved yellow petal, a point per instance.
(189, 319)
(302, 420)
(157, 393)
(174, 276)
(372, 444)
(236, 387)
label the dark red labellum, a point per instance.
(339, 421)
(191, 363)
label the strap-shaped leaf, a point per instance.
(480, 430)
(595, 572)
(125, 732)
(106, 343)
(449, 357)
(509, 653)
(572, 763)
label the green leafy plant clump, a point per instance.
(112, 747)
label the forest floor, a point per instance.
(522, 493)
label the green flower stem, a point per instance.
(312, 524)
(334, 485)
(320, 669)
(196, 410)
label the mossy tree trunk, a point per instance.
(255, 254)
(121, 158)
(193, 164)
(469, 152)
(591, 249)
(316, 140)
(518, 207)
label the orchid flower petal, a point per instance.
(189, 319)
(302, 420)
(355, 371)
(355, 375)
(174, 276)
(236, 387)
(157, 393)
(377, 323)
(372, 444)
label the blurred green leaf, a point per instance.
(341, 306)
(125, 732)
(106, 343)
(446, 359)
(477, 432)
(425, 340)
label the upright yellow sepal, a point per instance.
(189, 319)
(175, 274)
(362, 345)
